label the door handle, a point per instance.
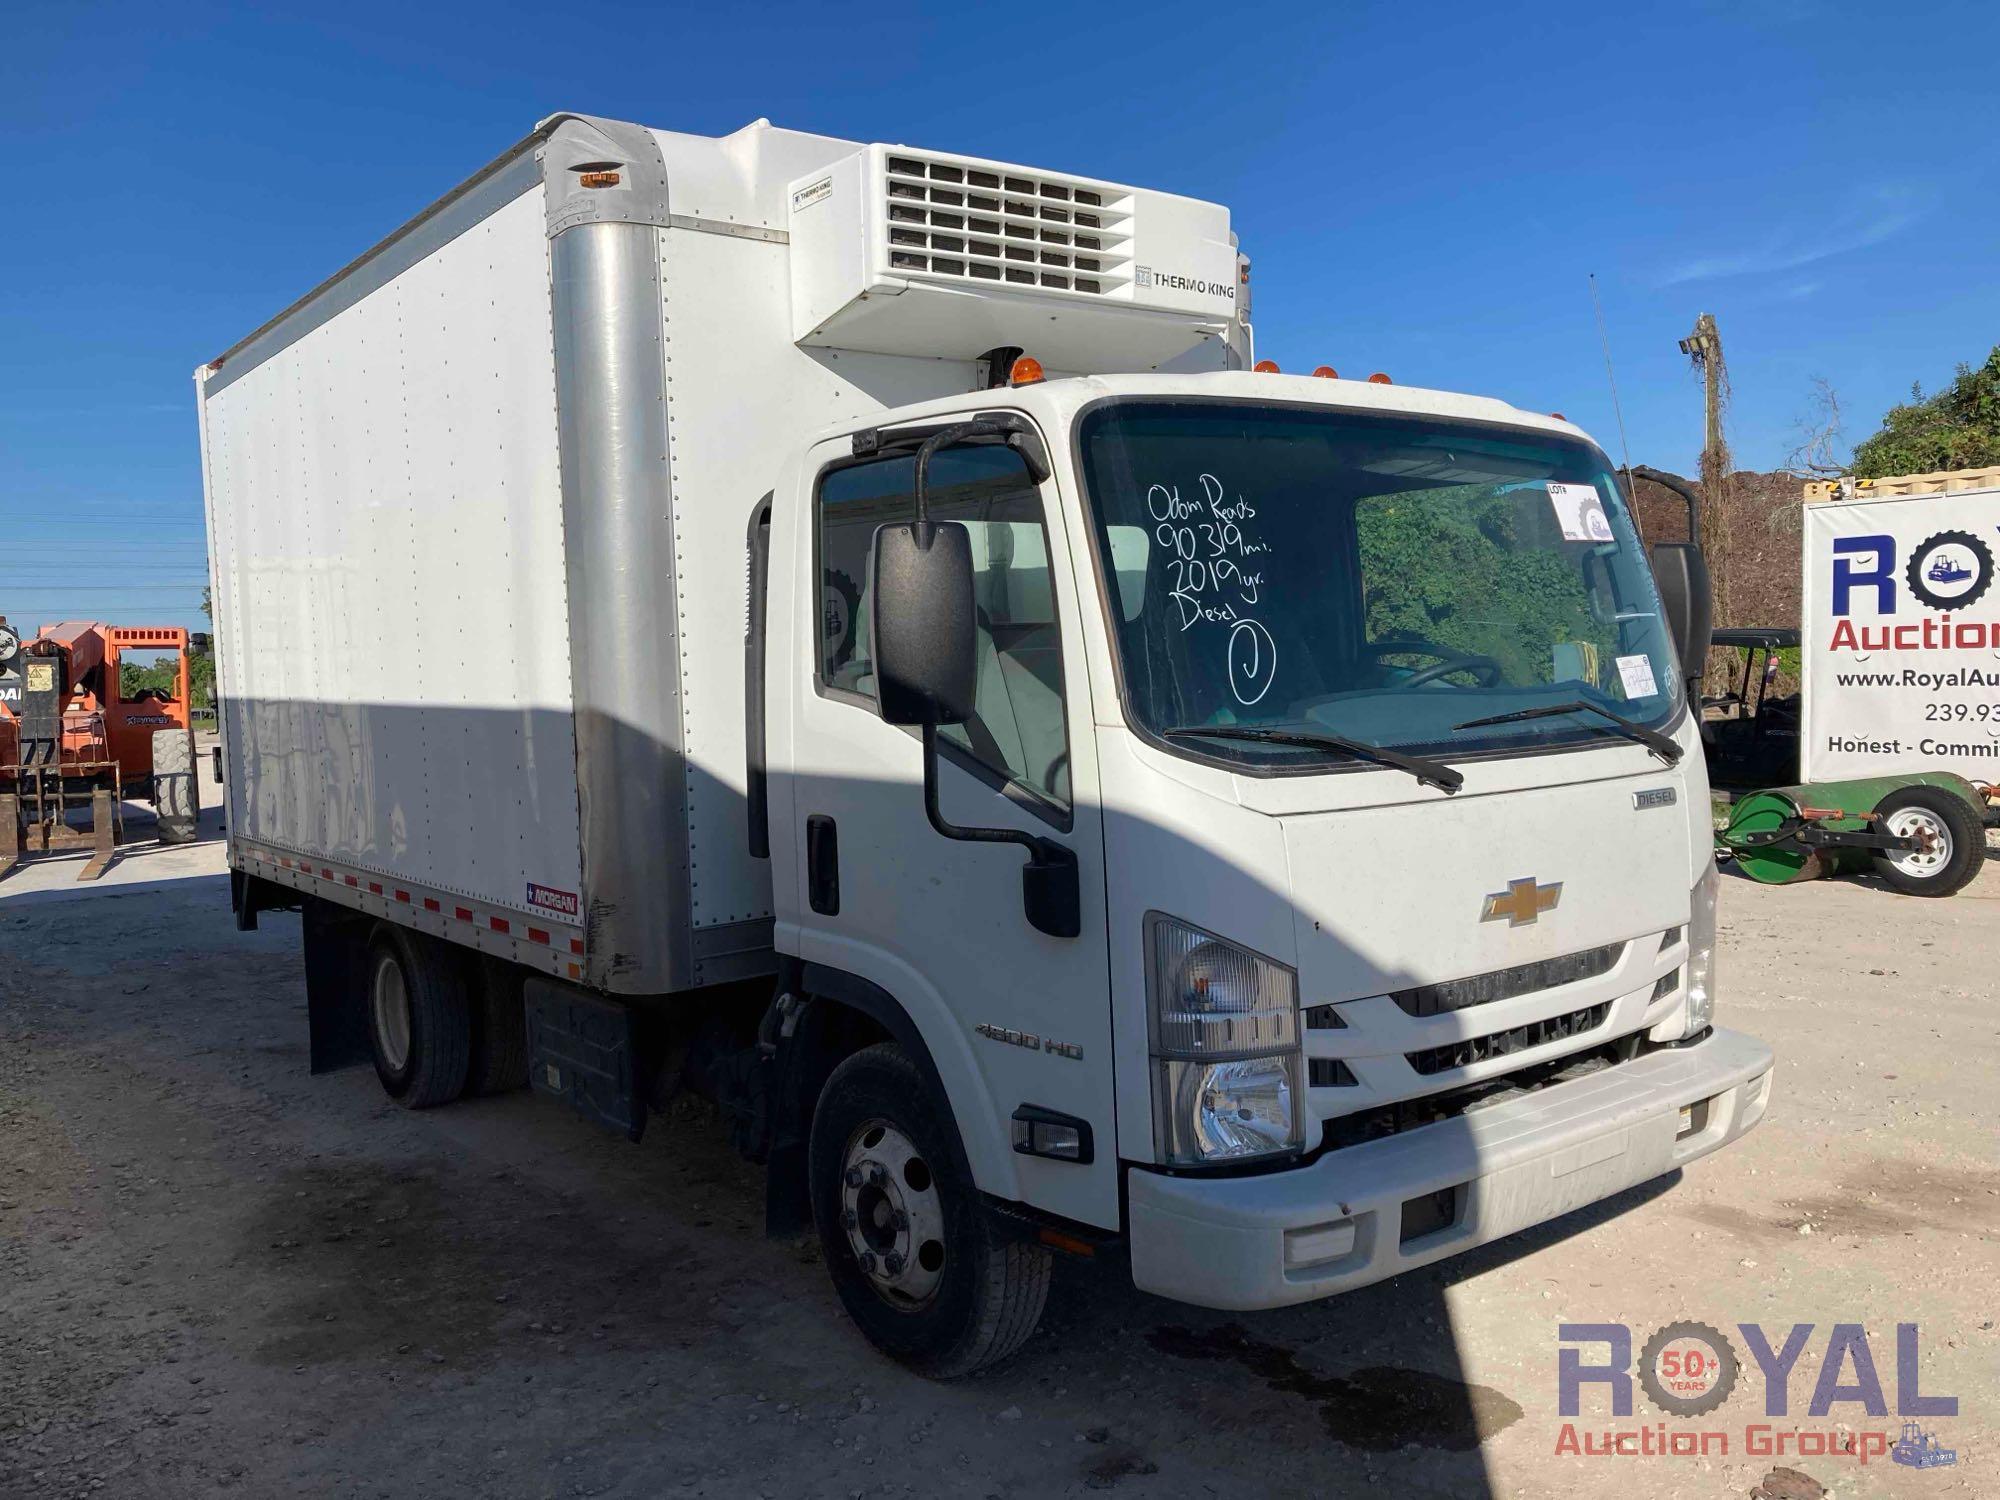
(823, 865)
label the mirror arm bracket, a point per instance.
(958, 432)
(1048, 851)
(1049, 881)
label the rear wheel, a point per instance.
(902, 1229)
(1950, 835)
(419, 1020)
(500, 1029)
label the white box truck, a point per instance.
(842, 627)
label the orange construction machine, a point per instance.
(74, 735)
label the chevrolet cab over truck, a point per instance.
(843, 628)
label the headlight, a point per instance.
(1701, 951)
(1225, 1032)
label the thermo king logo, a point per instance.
(1144, 277)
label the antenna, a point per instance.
(1624, 445)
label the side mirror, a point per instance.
(1681, 571)
(927, 674)
(925, 631)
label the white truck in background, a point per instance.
(843, 628)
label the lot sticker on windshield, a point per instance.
(1579, 512)
(1636, 672)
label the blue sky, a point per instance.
(1423, 189)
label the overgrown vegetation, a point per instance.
(1450, 565)
(161, 677)
(1958, 428)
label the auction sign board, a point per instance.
(1902, 635)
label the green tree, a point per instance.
(1474, 571)
(201, 679)
(1958, 428)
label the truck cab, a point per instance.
(1343, 732)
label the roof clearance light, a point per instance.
(1027, 370)
(1378, 378)
(1559, 416)
(597, 179)
(1326, 372)
(1266, 367)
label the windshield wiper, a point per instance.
(1660, 744)
(1429, 772)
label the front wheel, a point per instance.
(901, 1227)
(1950, 834)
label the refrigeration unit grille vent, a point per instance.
(963, 221)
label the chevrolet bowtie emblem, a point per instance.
(1522, 902)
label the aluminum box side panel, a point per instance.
(617, 510)
(391, 607)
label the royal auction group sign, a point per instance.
(1902, 636)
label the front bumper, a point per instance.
(1291, 1236)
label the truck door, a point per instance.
(1012, 1017)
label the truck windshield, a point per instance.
(1386, 578)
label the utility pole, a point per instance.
(1703, 348)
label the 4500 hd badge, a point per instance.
(1029, 1040)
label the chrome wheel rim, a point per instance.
(391, 1000)
(1933, 836)
(892, 1214)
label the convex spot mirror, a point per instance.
(926, 658)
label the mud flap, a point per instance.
(583, 1051)
(336, 955)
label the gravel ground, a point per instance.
(218, 1275)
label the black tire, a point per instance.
(989, 1290)
(1944, 814)
(499, 1029)
(428, 1066)
(176, 790)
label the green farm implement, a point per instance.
(1924, 833)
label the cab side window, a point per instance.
(1017, 730)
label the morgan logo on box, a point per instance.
(548, 898)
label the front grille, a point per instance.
(971, 223)
(1385, 1120)
(1505, 984)
(1464, 1054)
(1329, 1073)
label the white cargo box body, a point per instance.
(1902, 627)
(478, 506)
